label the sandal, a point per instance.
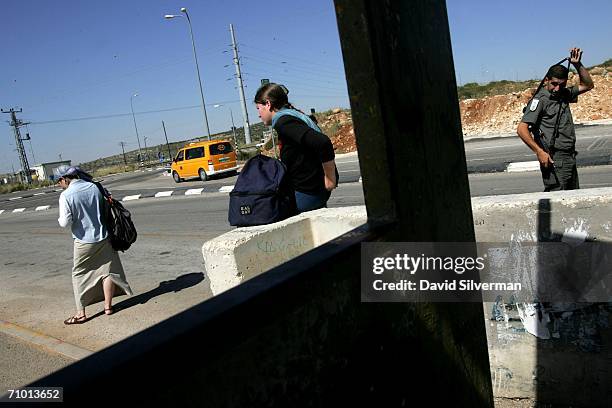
(109, 311)
(75, 320)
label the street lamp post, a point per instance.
(135, 127)
(195, 56)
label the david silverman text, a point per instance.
(464, 284)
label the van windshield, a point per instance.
(221, 148)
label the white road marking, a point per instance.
(226, 189)
(163, 194)
(18, 210)
(131, 197)
(43, 208)
(494, 147)
(598, 144)
(14, 198)
(523, 166)
(194, 191)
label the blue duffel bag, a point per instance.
(262, 194)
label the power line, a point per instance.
(336, 74)
(288, 78)
(290, 67)
(311, 86)
(117, 115)
(287, 57)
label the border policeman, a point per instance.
(549, 119)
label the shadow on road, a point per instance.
(176, 285)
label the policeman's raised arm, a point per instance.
(586, 82)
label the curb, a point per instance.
(50, 343)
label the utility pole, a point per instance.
(245, 114)
(146, 154)
(122, 144)
(266, 81)
(29, 139)
(167, 144)
(23, 158)
(233, 127)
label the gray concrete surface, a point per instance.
(564, 357)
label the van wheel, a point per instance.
(203, 175)
(176, 177)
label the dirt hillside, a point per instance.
(502, 113)
(489, 115)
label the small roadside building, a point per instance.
(45, 171)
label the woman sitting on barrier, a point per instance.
(304, 149)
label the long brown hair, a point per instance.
(276, 94)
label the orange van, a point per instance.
(204, 159)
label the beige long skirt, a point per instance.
(92, 264)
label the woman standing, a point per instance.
(304, 149)
(97, 273)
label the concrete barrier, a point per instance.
(523, 365)
(557, 353)
(246, 252)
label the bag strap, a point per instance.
(544, 79)
(103, 190)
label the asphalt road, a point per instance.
(530, 182)
(593, 143)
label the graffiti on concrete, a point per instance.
(283, 244)
(502, 377)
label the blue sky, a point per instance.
(72, 66)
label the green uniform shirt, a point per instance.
(542, 113)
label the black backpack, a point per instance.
(121, 230)
(262, 194)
